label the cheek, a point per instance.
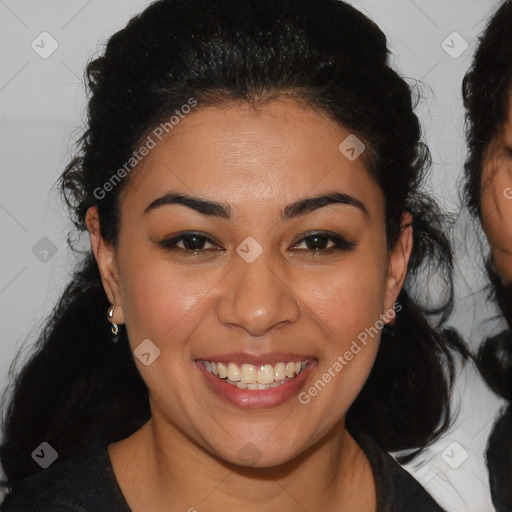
(497, 217)
(350, 297)
(347, 301)
(162, 302)
(165, 304)
(497, 208)
(347, 306)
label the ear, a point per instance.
(398, 261)
(106, 259)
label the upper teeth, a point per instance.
(250, 374)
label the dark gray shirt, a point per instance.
(86, 483)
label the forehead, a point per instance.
(239, 153)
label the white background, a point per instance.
(42, 103)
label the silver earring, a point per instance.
(110, 314)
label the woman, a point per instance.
(487, 98)
(250, 179)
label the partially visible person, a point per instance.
(487, 93)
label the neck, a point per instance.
(159, 465)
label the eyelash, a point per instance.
(340, 243)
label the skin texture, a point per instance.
(497, 198)
(257, 160)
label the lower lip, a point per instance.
(257, 399)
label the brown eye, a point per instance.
(193, 242)
(319, 243)
(190, 242)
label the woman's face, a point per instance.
(257, 295)
(496, 195)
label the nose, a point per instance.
(256, 298)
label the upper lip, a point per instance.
(255, 359)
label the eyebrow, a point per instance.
(223, 210)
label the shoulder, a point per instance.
(82, 483)
(397, 490)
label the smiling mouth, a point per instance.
(252, 377)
